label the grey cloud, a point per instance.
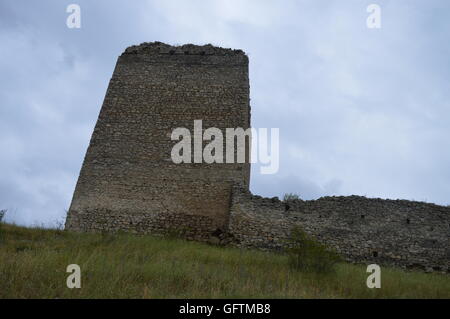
(360, 111)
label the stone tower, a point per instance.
(128, 180)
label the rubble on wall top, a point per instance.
(239, 189)
(186, 49)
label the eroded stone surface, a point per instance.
(367, 230)
(128, 180)
(129, 183)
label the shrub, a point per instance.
(306, 254)
(290, 196)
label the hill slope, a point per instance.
(33, 265)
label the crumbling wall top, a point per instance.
(159, 48)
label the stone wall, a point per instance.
(128, 180)
(388, 232)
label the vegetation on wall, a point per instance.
(290, 196)
(307, 254)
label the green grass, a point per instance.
(33, 264)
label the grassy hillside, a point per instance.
(33, 264)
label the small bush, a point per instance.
(290, 196)
(306, 254)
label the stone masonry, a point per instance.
(128, 181)
(366, 230)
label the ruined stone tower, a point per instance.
(128, 180)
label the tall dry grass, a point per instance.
(33, 264)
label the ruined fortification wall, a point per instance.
(128, 180)
(392, 232)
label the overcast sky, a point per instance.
(360, 111)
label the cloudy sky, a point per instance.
(360, 111)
